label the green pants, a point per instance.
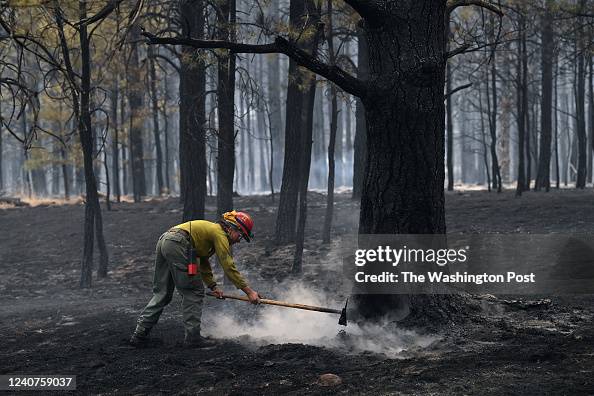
(171, 272)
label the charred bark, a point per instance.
(192, 138)
(403, 189)
(226, 109)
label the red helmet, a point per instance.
(240, 221)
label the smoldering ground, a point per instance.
(263, 325)
(50, 326)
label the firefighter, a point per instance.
(173, 255)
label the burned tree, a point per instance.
(580, 102)
(543, 178)
(81, 100)
(136, 101)
(332, 138)
(226, 14)
(306, 124)
(302, 24)
(192, 138)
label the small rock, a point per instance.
(329, 380)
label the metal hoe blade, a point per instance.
(343, 315)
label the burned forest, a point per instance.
(297, 197)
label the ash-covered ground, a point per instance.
(49, 326)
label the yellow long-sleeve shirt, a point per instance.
(209, 238)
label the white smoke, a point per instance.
(279, 325)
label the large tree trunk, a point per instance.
(406, 137)
(403, 191)
(360, 146)
(192, 139)
(226, 105)
(543, 178)
(287, 209)
(135, 99)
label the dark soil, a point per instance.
(49, 326)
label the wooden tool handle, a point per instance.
(282, 304)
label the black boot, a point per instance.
(139, 338)
(195, 340)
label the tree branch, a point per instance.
(465, 48)
(365, 8)
(460, 50)
(453, 91)
(280, 45)
(453, 4)
(102, 14)
(169, 61)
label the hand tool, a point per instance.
(342, 312)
